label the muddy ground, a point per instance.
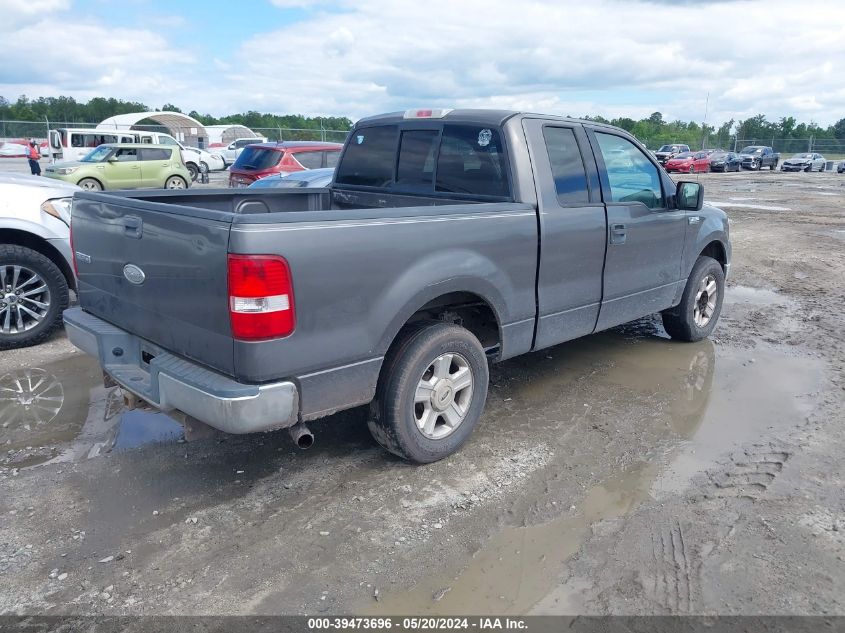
(621, 473)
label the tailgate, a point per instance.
(156, 270)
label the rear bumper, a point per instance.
(171, 383)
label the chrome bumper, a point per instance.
(169, 382)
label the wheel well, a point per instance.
(467, 310)
(716, 251)
(40, 245)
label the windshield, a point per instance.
(718, 155)
(667, 148)
(803, 156)
(684, 155)
(98, 155)
(258, 158)
(751, 150)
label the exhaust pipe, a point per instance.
(301, 435)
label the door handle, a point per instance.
(133, 227)
(618, 233)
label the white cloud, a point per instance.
(608, 57)
(63, 55)
(380, 55)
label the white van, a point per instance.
(75, 143)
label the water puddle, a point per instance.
(701, 403)
(519, 565)
(735, 295)
(42, 408)
(756, 395)
(746, 205)
(139, 428)
(61, 412)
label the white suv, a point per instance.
(230, 154)
(36, 271)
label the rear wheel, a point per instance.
(431, 392)
(176, 182)
(33, 295)
(90, 184)
(695, 316)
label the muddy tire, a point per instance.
(31, 306)
(695, 316)
(431, 392)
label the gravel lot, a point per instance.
(622, 473)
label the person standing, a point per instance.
(33, 155)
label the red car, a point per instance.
(265, 159)
(690, 162)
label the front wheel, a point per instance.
(692, 169)
(193, 170)
(695, 316)
(773, 166)
(33, 295)
(175, 182)
(431, 392)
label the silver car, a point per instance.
(36, 269)
(809, 161)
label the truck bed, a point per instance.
(362, 263)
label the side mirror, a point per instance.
(689, 196)
(112, 159)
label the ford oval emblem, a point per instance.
(134, 274)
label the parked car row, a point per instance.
(753, 157)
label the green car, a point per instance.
(125, 166)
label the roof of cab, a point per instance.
(481, 116)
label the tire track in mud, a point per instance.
(676, 568)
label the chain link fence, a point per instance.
(20, 130)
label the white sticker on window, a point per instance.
(484, 137)
(360, 138)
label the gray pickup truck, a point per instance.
(447, 239)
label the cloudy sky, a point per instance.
(360, 57)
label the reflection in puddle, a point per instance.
(48, 409)
(137, 428)
(60, 411)
(28, 398)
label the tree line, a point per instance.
(652, 130)
(67, 110)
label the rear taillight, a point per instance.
(260, 297)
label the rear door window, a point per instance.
(567, 165)
(309, 160)
(369, 157)
(150, 153)
(472, 161)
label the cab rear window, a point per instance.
(459, 159)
